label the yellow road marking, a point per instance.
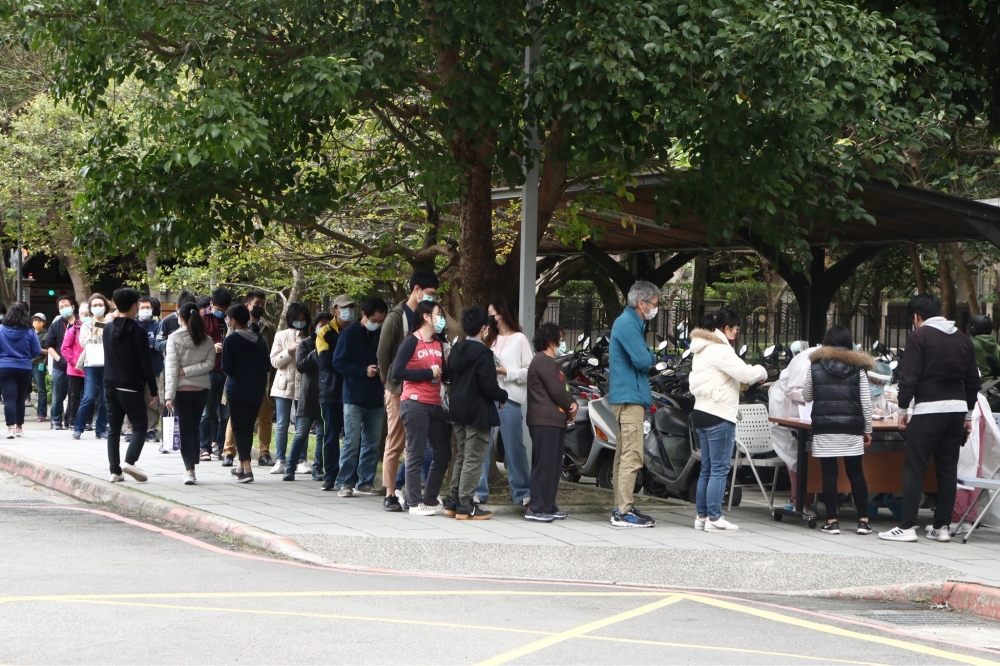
(577, 632)
(837, 631)
(322, 593)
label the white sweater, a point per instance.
(716, 374)
(514, 352)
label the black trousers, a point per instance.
(547, 444)
(859, 487)
(74, 394)
(243, 416)
(188, 406)
(121, 404)
(15, 385)
(425, 423)
(940, 436)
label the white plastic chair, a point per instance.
(753, 438)
(988, 486)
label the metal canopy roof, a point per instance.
(902, 214)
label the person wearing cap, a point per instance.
(987, 350)
(326, 462)
(38, 365)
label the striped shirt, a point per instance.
(835, 446)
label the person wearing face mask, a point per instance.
(716, 374)
(629, 362)
(53, 344)
(216, 414)
(70, 353)
(256, 302)
(356, 359)
(18, 346)
(423, 288)
(92, 362)
(421, 367)
(146, 320)
(285, 387)
(245, 361)
(307, 411)
(38, 365)
(326, 462)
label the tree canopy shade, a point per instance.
(743, 102)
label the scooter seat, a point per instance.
(671, 421)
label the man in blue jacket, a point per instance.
(356, 358)
(630, 397)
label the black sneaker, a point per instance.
(450, 507)
(244, 477)
(151, 436)
(289, 473)
(830, 528)
(236, 471)
(390, 503)
(328, 485)
(472, 512)
(864, 527)
(638, 513)
(265, 460)
(227, 461)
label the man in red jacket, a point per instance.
(216, 415)
(939, 384)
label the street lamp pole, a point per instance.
(529, 196)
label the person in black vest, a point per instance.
(837, 385)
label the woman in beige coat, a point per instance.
(285, 388)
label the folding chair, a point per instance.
(753, 438)
(987, 484)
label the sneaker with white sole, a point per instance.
(830, 528)
(864, 527)
(424, 510)
(899, 534)
(188, 479)
(935, 534)
(116, 478)
(368, 490)
(134, 472)
(279, 468)
(699, 523)
(720, 525)
(10, 433)
(346, 491)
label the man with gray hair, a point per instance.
(630, 397)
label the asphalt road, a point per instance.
(81, 585)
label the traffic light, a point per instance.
(52, 292)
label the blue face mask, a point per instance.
(429, 297)
(876, 389)
(439, 324)
(86, 320)
(347, 314)
(562, 347)
(299, 325)
(219, 314)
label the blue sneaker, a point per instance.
(630, 519)
(538, 517)
(559, 515)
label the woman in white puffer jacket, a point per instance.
(716, 375)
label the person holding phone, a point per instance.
(92, 362)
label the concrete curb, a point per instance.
(981, 600)
(89, 489)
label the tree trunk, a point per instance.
(947, 285)
(608, 293)
(478, 256)
(6, 289)
(918, 268)
(962, 271)
(294, 292)
(154, 289)
(698, 283)
(77, 275)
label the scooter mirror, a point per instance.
(579, 338)
(768, 351)
(894, 364)
(661, 366)
(743, 351)
(586, 342)
(687, 352)
(593, 361)
(662, 345)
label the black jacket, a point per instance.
(331, 382)
(54, 339)
(837, 391)
(938, 366)
(306, 364)
(127, 361)
(357, 348)
(474, 386)
(246, 360)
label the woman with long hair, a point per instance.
(420, 365)
(71, 352)
(716, 374)
(245, 360)
(512, 353)
(190, 356)
(90, 340)
(285, 388)
(18, 345)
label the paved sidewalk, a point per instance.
(764, 555)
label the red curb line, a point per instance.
(95, 491)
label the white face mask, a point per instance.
(562, 348)
(373, 326)
(97, 311)
(145, 315)
(652, 314)
(347, 314)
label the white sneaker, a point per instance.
(938, 535)
(400, 496)
(424, 510)
(10, 433)
(134, 472)
(194, 475)
(346, 491)
(18, 431)
(699, 523)
(279, 468)
(304, 468)
(525, 502)
(720, 525)
(188, 479)
(116, 478)
(899, 534)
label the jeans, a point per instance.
(515, 454)
(122, 404)
(60, 385)
(938, 436)
(424, 468)
(716, 458)
(15, 384)
(283, 410)
(244, 416)
(188, 407)
(547, 448)
(93, 392)
(333, 425)
(41, 405)
(216, 415)
(359, 455)
(473, 446)
(425, 423)
(300, 444)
